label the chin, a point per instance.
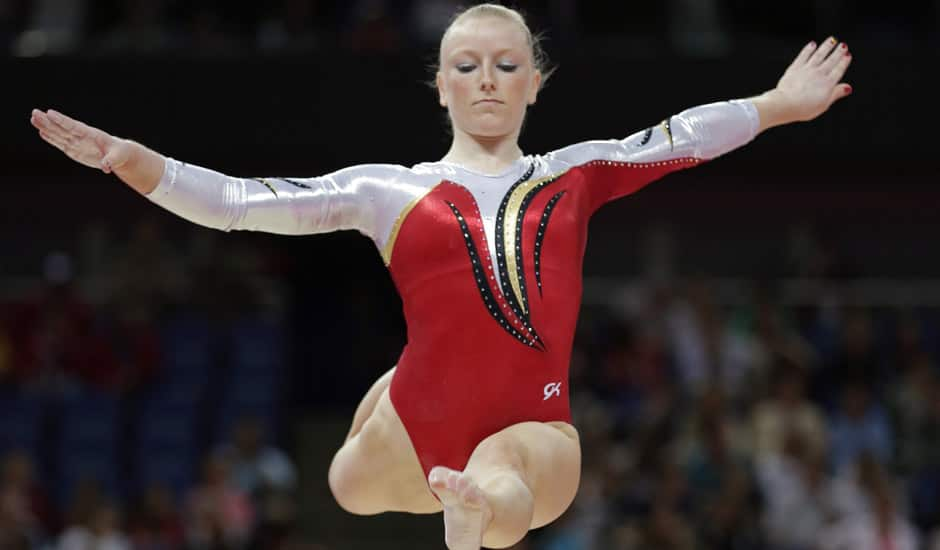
(491, 130)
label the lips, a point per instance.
(488, 101)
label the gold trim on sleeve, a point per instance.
(393, 235)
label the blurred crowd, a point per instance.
(207, 27)
(123, 424)
(244, 498)
(754, 425)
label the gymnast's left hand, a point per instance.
(812, 83)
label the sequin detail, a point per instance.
(521, 331)
(540, 236)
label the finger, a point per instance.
(840, 66)
(56, 142)
(803, 56)
(838, 54)
(70, 125)
(48, 131)
(823, 51)
(840, 91)
(42, 122)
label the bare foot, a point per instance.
(466, 512)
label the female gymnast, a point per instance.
(485, 247)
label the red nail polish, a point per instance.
(844, 46)
(848, 90)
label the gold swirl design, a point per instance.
(667, 127)
(509, 234)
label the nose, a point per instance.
(487, 82)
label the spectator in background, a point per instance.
(797, 493)
(156, 524)
(787, 412)
(266, 474)
(255, 466)
(715, 457)
(102, 533)
(884, 528)
(706, 351)
(218, 513)
(859, 426)
(25, 511)
(57, 345)
(719, 478)
(925, 469)
(666, 526)
(912, 400)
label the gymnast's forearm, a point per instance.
(199, 195)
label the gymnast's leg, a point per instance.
(377, 470)
(518, 479)
(368, 403)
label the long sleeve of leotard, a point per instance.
(352, 198)
(695, 135)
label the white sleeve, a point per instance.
(347, 199)
(702, 132)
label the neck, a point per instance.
(490, 155)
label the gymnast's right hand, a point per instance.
(81, 142)
(133, 163)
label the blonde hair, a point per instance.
(539, 59)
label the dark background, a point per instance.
(304, 88)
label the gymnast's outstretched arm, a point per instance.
(347, 199)
(808, 87)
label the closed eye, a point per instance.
(466, 67)
(508, 67)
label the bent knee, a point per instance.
(348, 485)
(352, 475)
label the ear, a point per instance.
(439, 80)
(536, 85)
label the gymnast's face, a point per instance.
(487, 79)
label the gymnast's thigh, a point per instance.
(383, 457)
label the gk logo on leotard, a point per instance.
(553, 388)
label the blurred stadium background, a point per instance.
(756, 363)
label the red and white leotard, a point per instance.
(488, 266)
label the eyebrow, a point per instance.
(473, 51)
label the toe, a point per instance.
(472, 496)
(438, 477)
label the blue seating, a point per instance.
(87, 446)
(20, 422)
